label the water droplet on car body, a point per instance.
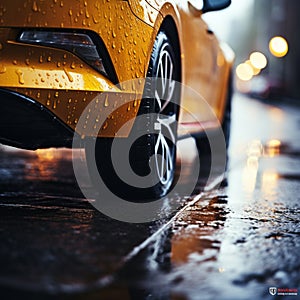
(34, 6)
(2, 69)
(20, 76)
(95, 20)
(68, 75)
(105, 126)
(106, 103)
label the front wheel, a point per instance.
(152, 155)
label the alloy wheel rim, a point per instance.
(166, 117)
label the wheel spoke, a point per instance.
(166, 117)
(171, 87)
(163, 153)
(166, 73)
(162, 75)
(165, 85)
(158, 100)
(163, 158)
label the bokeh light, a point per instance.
(278, 46)
(255, 70)
(244, 72)
(258, 60)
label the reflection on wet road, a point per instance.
(233, 242)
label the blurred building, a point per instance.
(279, 18)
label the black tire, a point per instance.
(145, 156)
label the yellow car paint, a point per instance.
(61, 82)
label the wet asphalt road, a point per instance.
(231, 242)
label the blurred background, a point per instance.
(263, 34)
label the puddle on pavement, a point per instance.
(183, 256)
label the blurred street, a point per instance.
(232, 242)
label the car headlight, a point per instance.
(78, 43)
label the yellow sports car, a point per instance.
(57, 57)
